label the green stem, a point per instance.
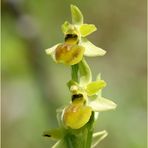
(89, 127)
(69, 141)
(87, 131)
(74, 72)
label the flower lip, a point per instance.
(69, 53)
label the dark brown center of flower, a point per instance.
(71, 36)
(76, 96)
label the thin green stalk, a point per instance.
(87, 130)
(69, 141)
(74, 72)
(90, 131)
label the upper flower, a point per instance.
(76, 45)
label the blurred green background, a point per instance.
(33, 86)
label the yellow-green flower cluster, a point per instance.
(76, 119)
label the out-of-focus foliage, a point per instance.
(33, 86)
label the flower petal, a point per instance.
(90, 49)
(65, 27)
(93, 87)
(51, 51)
(102, 104)
(86, 29)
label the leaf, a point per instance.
(85, 73)
(90, 49)
(98, 137)
(53, 133)
(102, 104)
(65, 27)
(77, 17)
(93, 87)
(60, 144)
(51, 51)
(87, 29)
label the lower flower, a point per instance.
(77, 114)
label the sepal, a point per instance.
(102, 104)
(76, 14)
(90, 49)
